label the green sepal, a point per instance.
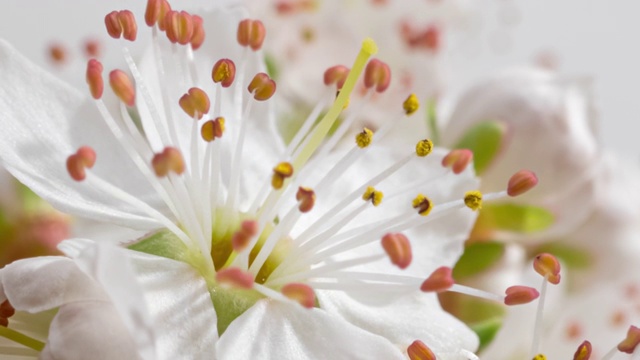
(486, 330)
(166, 244)
(519, 218)
(478, 257)
(484, 140)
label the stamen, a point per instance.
(212, 129)
(152, 12)
(422, 204)
(122, 87)
(58, 53)
(197, 39)
(439, 281)
(6, 311)
(307, 198)
(121, 24)
(195, 103)
(165, 8)
(548, 266)
(364, 138)
(629, 344)
(84, 158)
(336, 75)
(518, 295)
(251, 33)
(282, 171)
(373, 195)
(224, 72)
(92, 48)
(521, 182)
(235, 277)
(398, 247)
(377, 74)
(179, 27)
(419, 351)
(301, 293)
(458, 160)
(262, 87)
(473, 200)
(424, 147)
(411, 105)
(242, 237)
(583, 352)
(94, 78)
(170, 159)
(540, 357)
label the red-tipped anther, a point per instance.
(548, 266)
(242, 237)
(197, 38)
(262, 87)
(458, 160)
(122, 87)
(518, 295)
(307, 198)
(152, 12)
(84, 158)
(94, 78)
(521, 182)
(583, 352)
(121, 24)
(398, 247)
(92, 48)
(195, 103)
(377, 74)
(6, 311)
(57, 53)
(170, 159)
(165, 8)
(251, 33)
(336, 75)
(419, 351)
(427, 39)
(629, 344)
(224, 72)
(179, 27)
(300, 293)
(235, 277)
(439, 281)
(212, 129)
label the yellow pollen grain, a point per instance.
(424, 147)
(364, 138)
(374, 195)
(422, 204)
(473, 200)
(411, 105)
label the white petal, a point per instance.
(44, 283)
(413, 317)
(44, 121)
(180, 306)
(110, 267)
(274, 330)
(89, 329)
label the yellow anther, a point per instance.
(473, 200)
(424, 147)
(422, 204)
(212, 129)
(364, 138)
(281, 172)
(411, 105)
(374, 195)
(540, 357)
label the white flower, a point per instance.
(147, 167)
(547, 127)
